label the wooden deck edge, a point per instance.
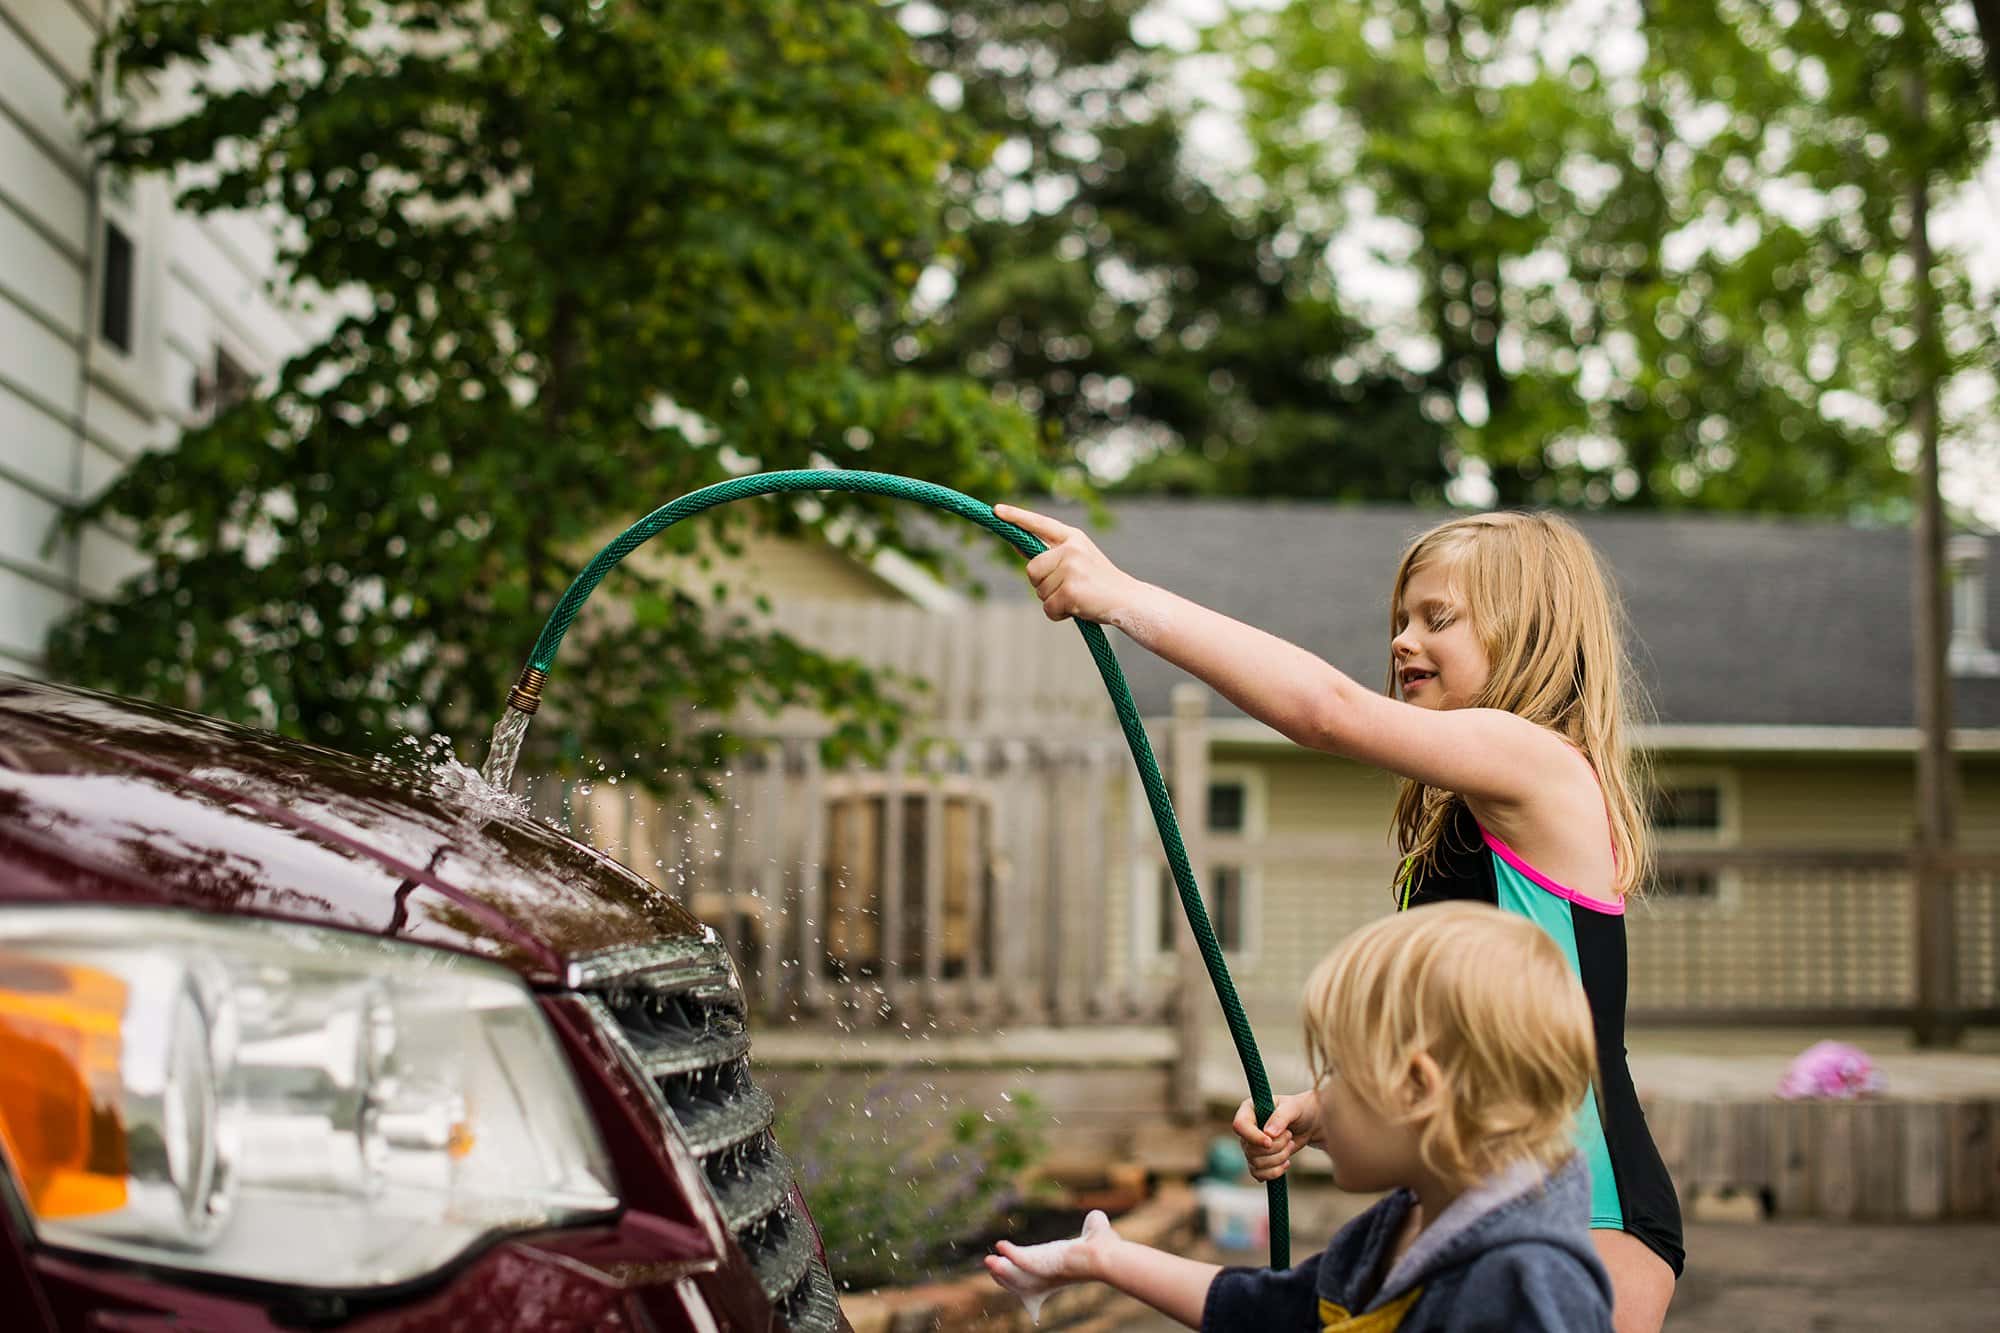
(1871, 1159)
(1040, 1048)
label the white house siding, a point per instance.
(74, 409)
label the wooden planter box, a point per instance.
(1873, 1159)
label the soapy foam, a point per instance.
(1034, 1272)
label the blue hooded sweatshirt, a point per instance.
(1512, 1253)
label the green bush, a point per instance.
(901, 1182)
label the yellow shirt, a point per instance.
(1335, 1319)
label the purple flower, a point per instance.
(1831, 1069)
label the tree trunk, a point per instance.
(1937, 982)
(1988, 14)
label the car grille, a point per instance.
(679, 1014)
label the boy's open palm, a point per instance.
(1270, 1147)
(1031, 1272)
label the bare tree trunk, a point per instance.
(1988, 14)
(1937, 983)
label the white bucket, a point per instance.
(1238, 1216)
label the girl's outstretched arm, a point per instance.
(1176, 1287)
(1484, 753)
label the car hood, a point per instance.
(110, 800)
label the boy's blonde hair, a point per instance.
(1545, 613)
(1492, 1000)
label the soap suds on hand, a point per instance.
(1036, 1271)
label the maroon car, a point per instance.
(294, 1039)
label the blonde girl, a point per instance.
(1506, 718)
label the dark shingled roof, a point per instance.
(1737, 620)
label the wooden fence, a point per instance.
(1810, 937)
(965, 889)
(989, 883)
(1768, 936)
(965, 884)
(988, 878)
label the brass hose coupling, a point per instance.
(526, 696)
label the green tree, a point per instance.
(1665, 264)
(576, 258)
(1139, 311)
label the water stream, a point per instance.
(505, 747)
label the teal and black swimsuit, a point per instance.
(1630, 1190)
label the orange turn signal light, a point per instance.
(59, 1084)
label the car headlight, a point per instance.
(279, 1103)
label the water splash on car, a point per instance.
(476, 795)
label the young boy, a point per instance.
(1450, 1049)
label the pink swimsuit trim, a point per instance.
(1507, 854)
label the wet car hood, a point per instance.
(110, 800)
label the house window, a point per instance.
(114, 324)
(859, 860)
(123, 318)
(1691, 886)
(1693, 808)
(1227, 802)
(1687, 815)
(1222, 886)
(1221, 894)
(225, 386)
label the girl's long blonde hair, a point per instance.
(1544, 611)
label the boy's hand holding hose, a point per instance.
(1269, 1147)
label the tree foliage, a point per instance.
(578, 258)
(1106, 285)
(1663, 262)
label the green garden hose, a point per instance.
(526, 695)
